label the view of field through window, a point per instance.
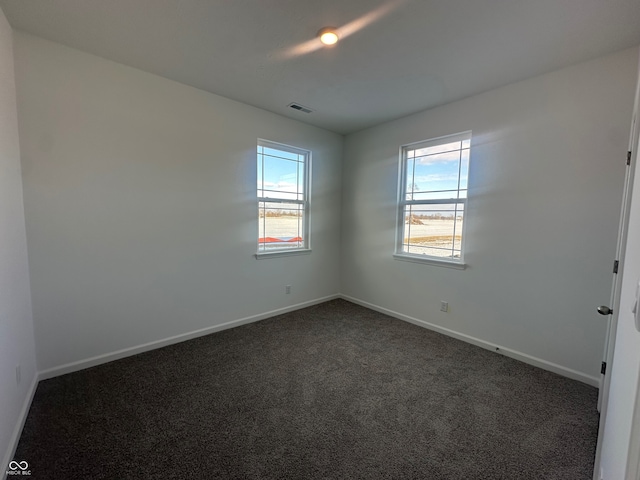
(435, 180)
(281, 198)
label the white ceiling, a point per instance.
(396, 57)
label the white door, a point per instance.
(610, 312)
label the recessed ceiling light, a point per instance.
(328, 35)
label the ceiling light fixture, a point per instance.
(328, 35)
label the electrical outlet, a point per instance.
(18, 375)
(444, 306)
(287, 289)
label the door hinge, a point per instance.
(603, 368)
(615, 266)
(629, 157)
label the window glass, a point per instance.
(433, 198)
(282, 197)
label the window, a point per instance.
(432, 199)
(283, 198)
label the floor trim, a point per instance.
(17, 431)
(100, 359)
(127, 352)
(507, 352)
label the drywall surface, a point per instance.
(140, 202)
(626, 362)
(545, 186)
(16, 322)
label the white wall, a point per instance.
(16, 323)
(140, 206)
(626, 362)
(546, 176)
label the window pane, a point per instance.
(434, 211)
(436, 195)
(272, 152)
(280, 225)
(445, 253)
(457, 242)
(410, 184)
(260, 173)
(464, 171)
(300, 180)
(280, 178)
(437, 172)
(445, 147)
(433, 230)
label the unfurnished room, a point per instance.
(266, 239)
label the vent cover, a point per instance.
(301, 108)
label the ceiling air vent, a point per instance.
(302, 108)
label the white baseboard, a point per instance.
(127, 352)
(100, 359)
(523, 357)
(507, 352)
(17, 431)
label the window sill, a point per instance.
(282, 253)
(429, 261)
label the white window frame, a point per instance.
(305, 248)
(400, 254)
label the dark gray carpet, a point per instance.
(333, 391)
